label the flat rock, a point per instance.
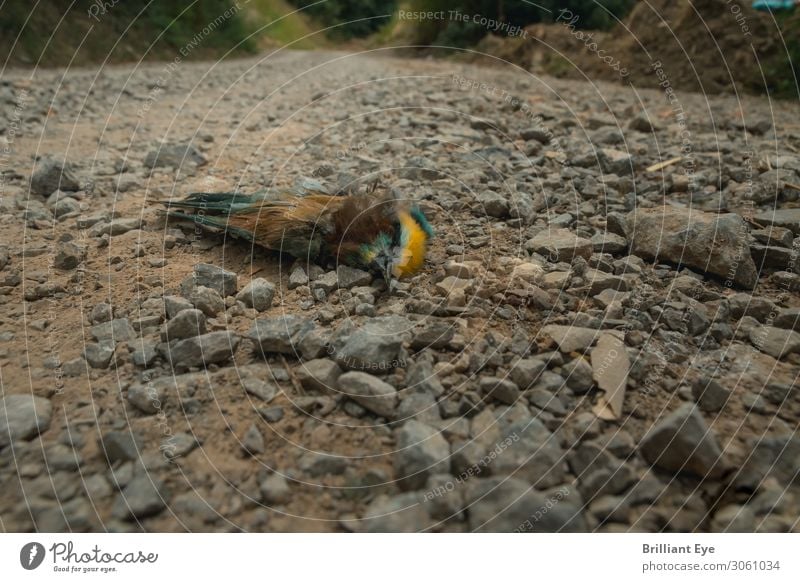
(370, 392)
(119, 446)
(527, 450)
(560, 245)
(144, 496)
(775, 341)
(51, 174)
(22, 417)
(257, 294)
(788, 218)
(348, 277)
(712, 243)
(116, 330)
(772, 457)
(375, 346)
(174, 155)
(223, 282)
(320, 374)
(682, 443)
(280, 334)
(503, 504)
(421, 451)
(187, 323)
(570, 338)
(212, 348)
(401, 513)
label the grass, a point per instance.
(288, 29)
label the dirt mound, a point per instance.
(711, 46)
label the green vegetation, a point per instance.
(350, 18)
(591, 14)
(782, 72)
(93, 31)
(280, 22)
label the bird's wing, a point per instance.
(293, 225)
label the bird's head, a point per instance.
(400, 253)
(382, 256)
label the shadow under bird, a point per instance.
(376, 233)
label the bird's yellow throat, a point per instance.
(414, 241)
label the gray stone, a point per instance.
(710, 395)
(502, 504)
(185, 324)
(682, 442)
(274, 489)
(280, 334)
(207, 300)
(298, 278)
(216, 278)
(734, 519)
(771, 458)
(101, 313)
(318, 464)
(149, 398)
(788, 218)
(61, 457)
(375, 347)
(570, 338)
(525, 372)
(144, 355)
(173, 305)
(52, 174)
(742, 304)
(349, 277)
(560, 245)
(174, 155)
(253, 441)
(116, 227)
(271, 414)
(527, 450)
(616, 161)
(788, 319)
(265, 390)
(68, 256)
(492, 204)
(500, 389)
(370, 392)
(421, 451)
(257, 294)
(402, 513)
(607, 242)
(775, 341)
(579, 375)
(434, 334)
(119, 446)
(99, 355)
(178, 445)
(420, 406)
(712, 243)
(116, 330)
(22, 417)
(144, 496)
(212, 348)
(320, 374)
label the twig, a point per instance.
(293, 377)
(664, 164)
(792, 186)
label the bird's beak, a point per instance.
(387, 277)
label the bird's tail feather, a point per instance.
(215, 222)
(217, 202)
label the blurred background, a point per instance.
(713, 46)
